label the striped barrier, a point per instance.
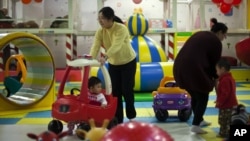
(68, 48)
(71, 47)
(171, 46)
(74, 46)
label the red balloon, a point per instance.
(228, 1)
(137, 131)
(38, 1)
(216, 1)
(236, 2)
(137, 1)
(26, 1)
(225, 8)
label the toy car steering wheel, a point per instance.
(73, 90)
(170, 84)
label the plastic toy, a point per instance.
(14, 83)
(75, 109)
(95, 133)
(137, 131)
(47, 136)
(243, 51)
(170, 97)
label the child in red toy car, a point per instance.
(95, 94)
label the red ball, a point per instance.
(137, 131)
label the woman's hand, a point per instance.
(103, 59)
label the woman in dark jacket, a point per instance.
(194, 69)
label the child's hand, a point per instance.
(217, 104)
(104, 105)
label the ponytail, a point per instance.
(118, 20)
(214, 20)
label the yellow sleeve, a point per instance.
(97, 44)
(117, 41)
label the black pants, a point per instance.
(199, 104)
(123, 80)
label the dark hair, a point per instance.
(224, 63)
(93, 81)
(214, 20)
(117, 19)
(107, 12)
(219, 27)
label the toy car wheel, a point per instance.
(184, 114)
(112, 123)
(6, 92)
(55, 126)
(161, 115)
(83, 126)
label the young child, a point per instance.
(95, 91)
(226, 96)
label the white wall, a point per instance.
(125, 8)
(189, 17)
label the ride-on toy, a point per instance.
(170, 97)
(75, 109)
(14, 82)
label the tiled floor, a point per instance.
(15, 127)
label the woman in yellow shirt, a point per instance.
(115, 39)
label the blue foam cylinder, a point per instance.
(148, 75)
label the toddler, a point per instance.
(95, 91)
(226, 96)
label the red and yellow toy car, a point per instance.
(75, 109)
